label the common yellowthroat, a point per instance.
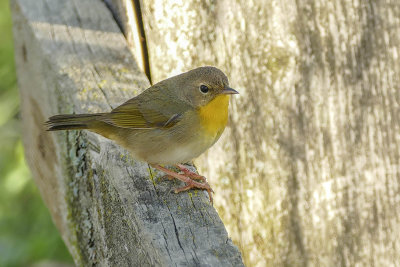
(171, 122)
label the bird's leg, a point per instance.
(188, 181)
(191, 174)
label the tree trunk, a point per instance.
(110, 210)
(308, 171)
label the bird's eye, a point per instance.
(204, 89)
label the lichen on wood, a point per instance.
(110, 209)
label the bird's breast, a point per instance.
(214, 116)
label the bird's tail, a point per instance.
(72, 121)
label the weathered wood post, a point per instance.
(309, 167)
(110, 210)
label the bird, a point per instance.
(170, 123)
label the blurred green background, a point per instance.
(28, 236)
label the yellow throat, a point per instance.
(214, 115)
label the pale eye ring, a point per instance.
(204, 89)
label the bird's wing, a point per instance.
(151, 109)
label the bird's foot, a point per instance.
(169, 177)
(190, 184)
(187, 177)
(191, 174)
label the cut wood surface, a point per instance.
(110, 210)
(307, 173)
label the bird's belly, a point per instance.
(179, 144)
(179, 152)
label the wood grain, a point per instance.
(307, 174)
(111, 210)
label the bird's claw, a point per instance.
(188, 178)
(191, 174)
(191, 184)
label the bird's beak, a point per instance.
(229, 91)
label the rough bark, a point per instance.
(111, 210)
(307, 173)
